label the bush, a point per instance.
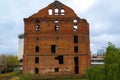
(111, 69)
(96, 73)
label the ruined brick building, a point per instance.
(56, 41)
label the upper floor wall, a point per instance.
(56, 17)
(55, 10)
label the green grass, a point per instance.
(8, 74)
(20, 76)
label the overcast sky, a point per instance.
(102, 15)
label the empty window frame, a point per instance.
(76, 61)
(36, 59)
(50, 12)
(62, 11)
(56, 11)
(56, 69)
(36, 71)
(76, 49)
(56, 27)
(75, 27)
(37, 27)
(37, 49)
(75, 39)
(53, 48)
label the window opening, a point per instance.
(76, 69)
(56, 11)
(53, 48)
(74, 21)
(37, 21)
(50, 12)
(76, 60)
(36, 70)
(37, 27)
(36, 59)
(56, 21)
(75, 39)
(60, 59)
(56, 27)
(62, 12)
(57, 38)
(37, 38)
(37, 49)
(76, 49)
(75, 27)
(56, 69)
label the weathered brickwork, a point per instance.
(56, 41)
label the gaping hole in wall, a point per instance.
(75, 27)
(56, 11)
(75, 39)
(50, 12)
(36, 71)
(37, 27)
(62, 11)
(56, 69)
(56, 27)
(76, 60)
(60, 59)
(53, 48)
(37, 49)
(36, 59)
(76, 49)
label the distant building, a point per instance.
(21, 46)
(100, 51)
(97, 59)
(56, 41)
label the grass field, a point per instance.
(19, 76)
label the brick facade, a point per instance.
(56, 41)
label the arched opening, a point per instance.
(37, 49)
(37, 27)
(36, 60)
(74, 21)
(56, 11)
(62, 12)
(36, 71)
(50, 12)
(75, 39)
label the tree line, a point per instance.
(8, 63)
(111, 68)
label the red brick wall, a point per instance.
(63, 39)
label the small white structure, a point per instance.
(21, 46)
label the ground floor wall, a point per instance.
(56, 64)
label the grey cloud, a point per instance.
(104, 23)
